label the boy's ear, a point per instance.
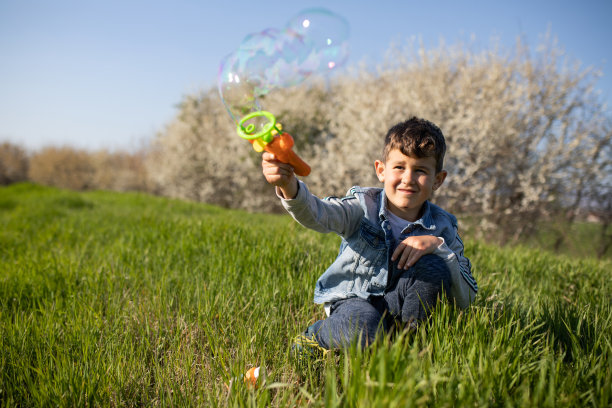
(440, 177)
(380, 169)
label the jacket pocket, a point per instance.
(372, 236)
(372, 258)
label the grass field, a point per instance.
(111, 299)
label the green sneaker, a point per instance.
(306, 347)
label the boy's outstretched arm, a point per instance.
(279, 174)
(332, 214)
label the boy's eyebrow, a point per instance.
(423, 164)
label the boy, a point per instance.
(399, 253)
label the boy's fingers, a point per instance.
(403, 253)
(267, 156)
(397, 252)
(269, 160)
(285, 168)
(414, 256)
(403, 262)
(280, 167)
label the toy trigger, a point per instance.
(258, 145)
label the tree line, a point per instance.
(529, 139)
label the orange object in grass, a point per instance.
(251, 376)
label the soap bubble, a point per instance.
(313, 41)
(324, 34)
(256, 54)
(236, 92)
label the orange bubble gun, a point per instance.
(272, 140)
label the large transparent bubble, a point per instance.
(313, 42)
(325, 37)
(237, 94)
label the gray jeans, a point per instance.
(408, 301)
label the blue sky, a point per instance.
(109, 74)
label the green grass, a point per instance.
(131, 300)
(581, 238)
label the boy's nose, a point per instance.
(407, 177)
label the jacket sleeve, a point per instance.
(463, 285)
(339, 215)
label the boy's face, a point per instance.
(408, 182)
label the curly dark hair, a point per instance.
(416, 137)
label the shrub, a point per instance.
(13, 164)
(62, 167)
(76, 169)
(119, 171)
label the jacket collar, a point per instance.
(426, 221)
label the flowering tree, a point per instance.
(528, 138)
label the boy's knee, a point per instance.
(351, 320)
(430, 260)
(433, 269)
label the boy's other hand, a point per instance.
(279, 174)
(410, 250)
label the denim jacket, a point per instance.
(363, 267)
